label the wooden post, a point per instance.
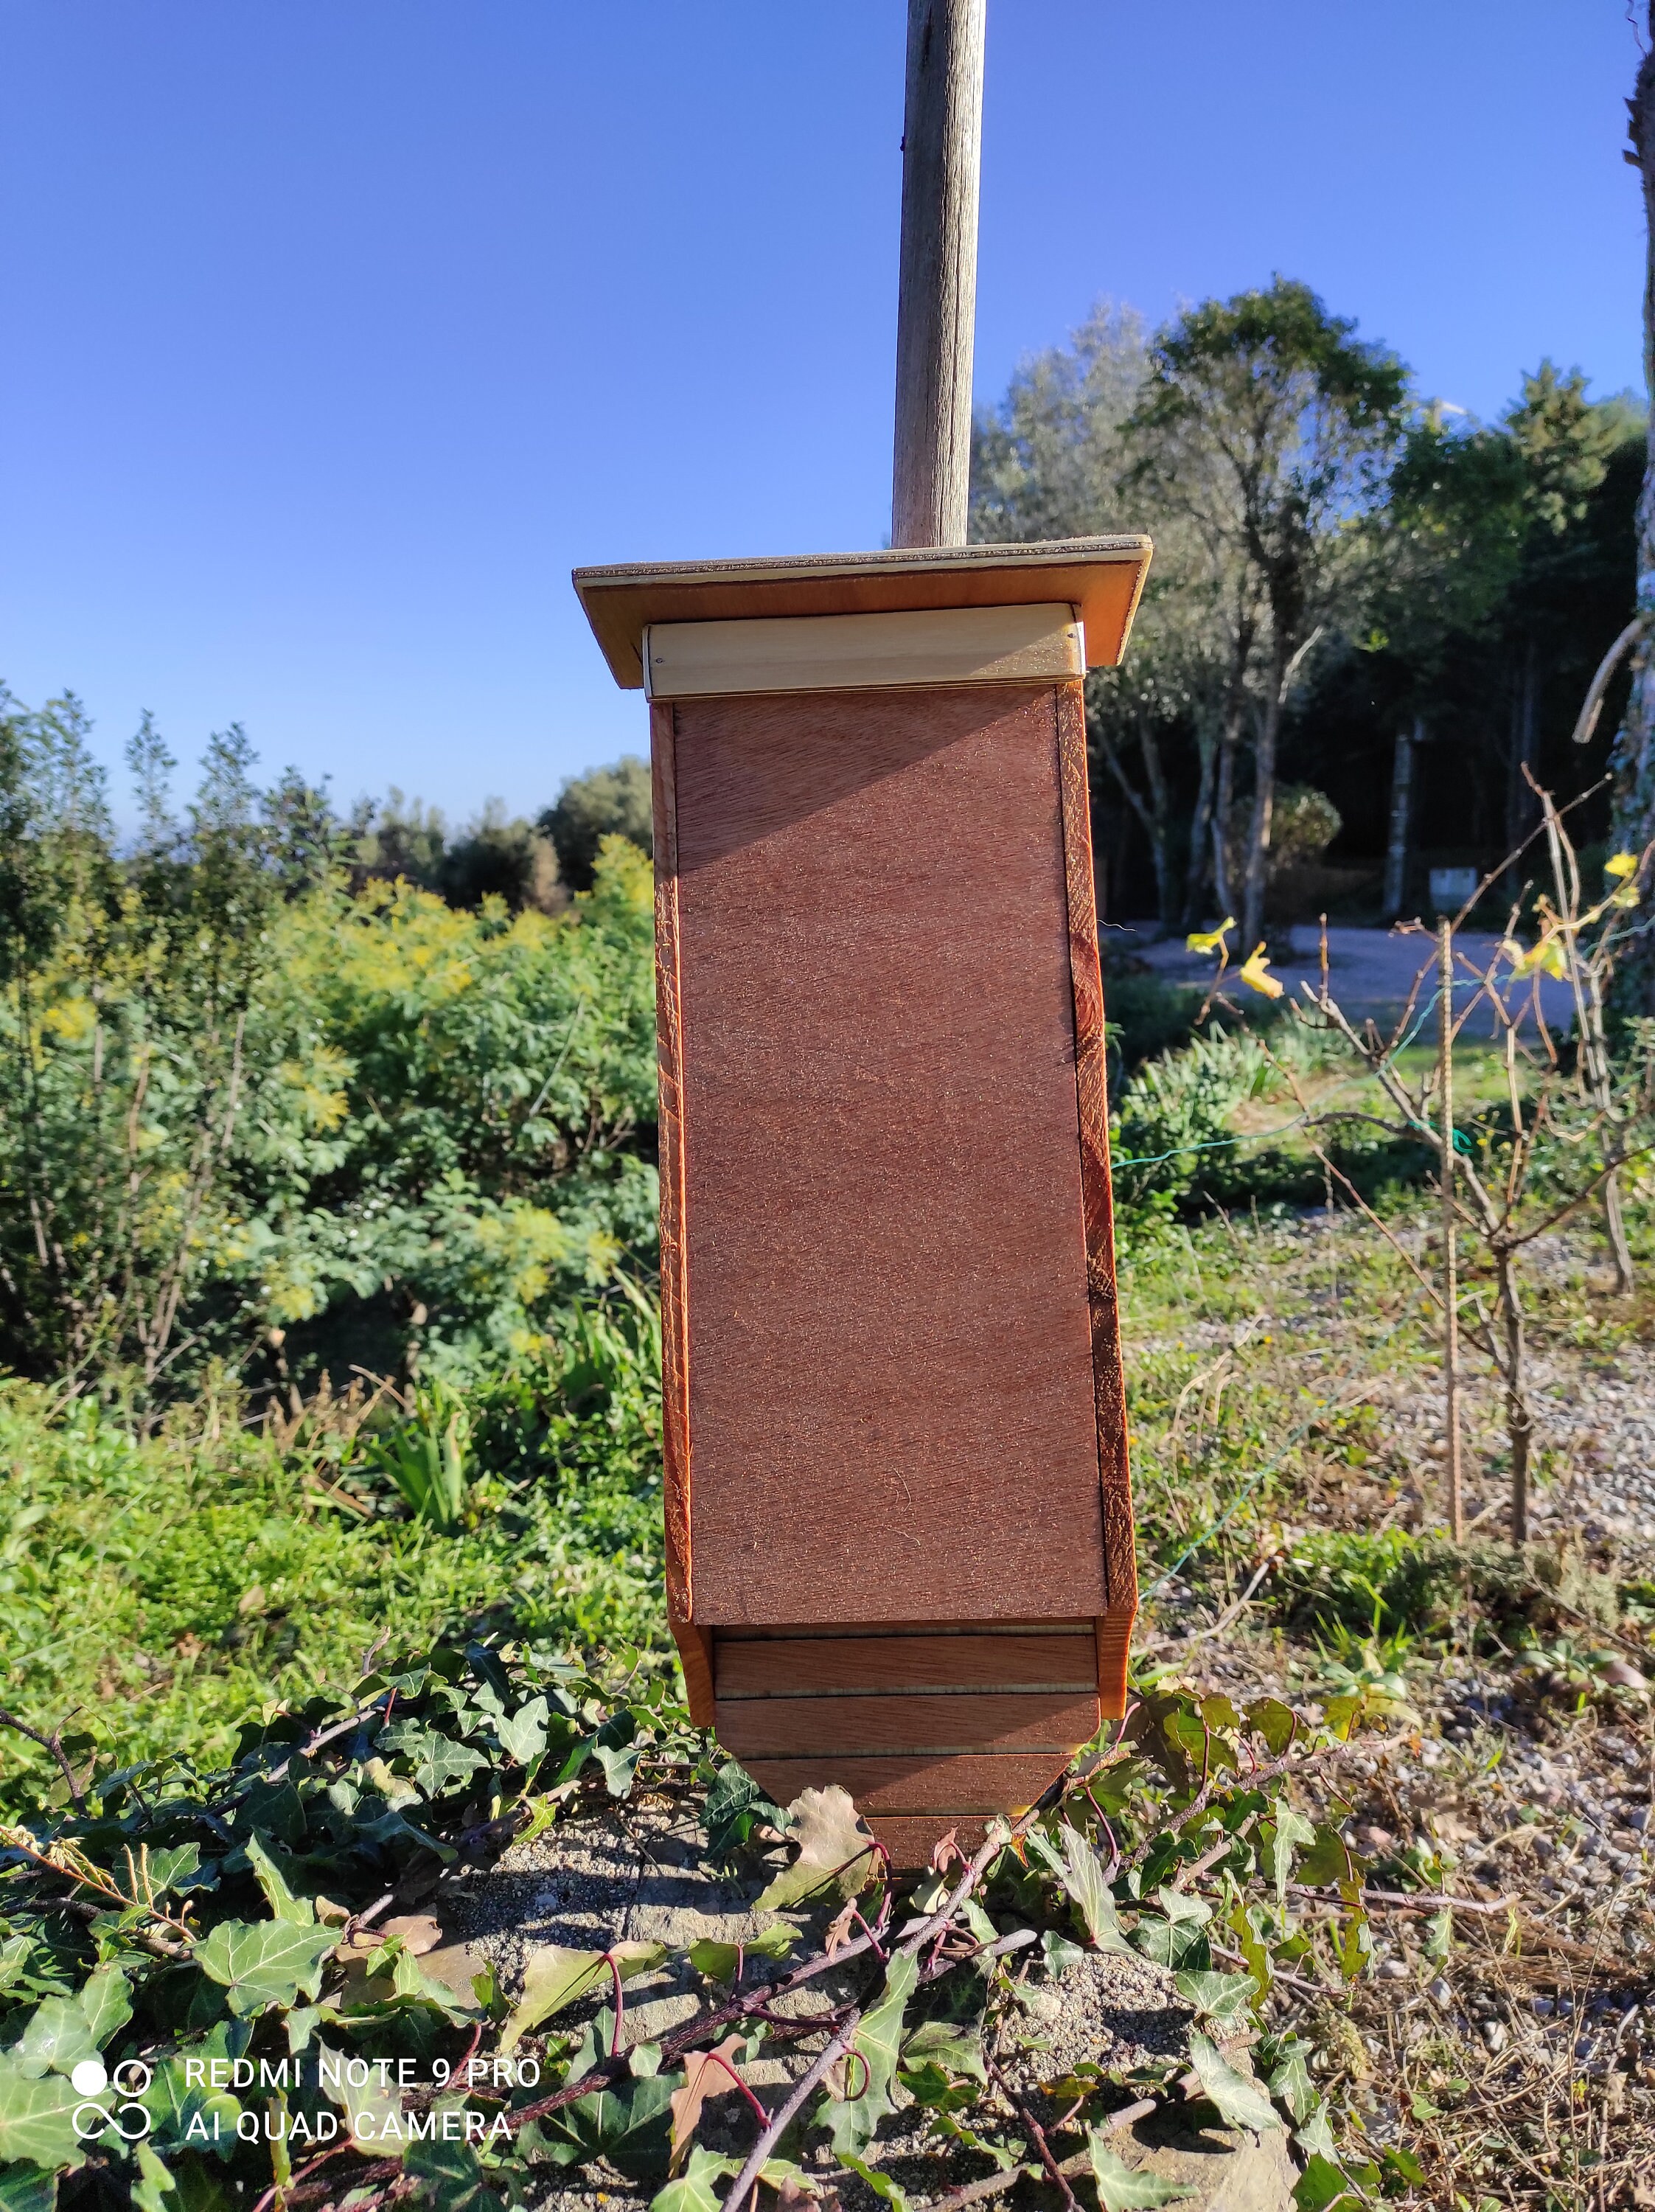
(1450, 1276)
(936, 296)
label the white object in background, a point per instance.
(1451, 888)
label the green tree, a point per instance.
(1272, 428)
(605, 802)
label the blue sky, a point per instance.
(341, 330)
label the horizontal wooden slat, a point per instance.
(911, 1839)
(847, 653)
(775, 1632)
(815, 1667)
(943, 1726)
(904, 1783)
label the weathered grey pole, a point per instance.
(1449, 1272)
(936, 294)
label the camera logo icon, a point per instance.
(109, 2100)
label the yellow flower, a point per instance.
(1253, 974)
(1621, 865)
(1545, 959)
(1210, 940)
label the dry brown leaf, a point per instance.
(833, 1846)
(706, 2073)
(838, 1929)
(945, 1851)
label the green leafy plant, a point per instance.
(427, 1455)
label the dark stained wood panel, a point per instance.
(932, 1724)
(1091, 1060)
(813, 1666)
(911, 1840)
(915, 1783)
(890, 1351)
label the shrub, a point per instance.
(605, 802)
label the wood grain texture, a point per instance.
(851, 652)
(911, 1840)
(695, 1649)
(1120, 1548)
(954, 1787)
(890, 1342)
(1102, 578)
(811, 1667)
(931, 1725)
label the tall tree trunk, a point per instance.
(1633, 758)
(1522, 808)
(1402, 817)
(1195, 873)
(1224, 889)
(1263, 807)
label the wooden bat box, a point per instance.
(899, 1528)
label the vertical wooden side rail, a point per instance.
(694, 1644)
(1091, 1050)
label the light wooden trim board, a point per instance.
(1101, 578)
(853, 652)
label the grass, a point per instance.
(167, 1588)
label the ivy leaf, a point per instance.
(736, 1805)
(155, 2182)
(556, 1977)
(718, 1961)
(1059, 1954)
(297, 1912)
(1219, 1713)
(443, 1764)
(57, 2036)
(1121, 2187)
(27, 2188)
(883, 2187)
(873, 2049)
(1290, 2083)
(833, 1847)
(1322, 2185)
(523, 1734)
(1080, 1870)
(187, 2115)
(1216, 1996)
(620, 1764)
(1241, 2103)
(629, 2123)
(1270, 1718)
(105, 2002)
(1291, 1831)
(452, 2177)
(947, 2044)
(174, 1868)
(36, 2119)
(693, 2191)
(265, 1962)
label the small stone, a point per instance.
(1393, 1970)
(1493, 2035)
(1439, 1992)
